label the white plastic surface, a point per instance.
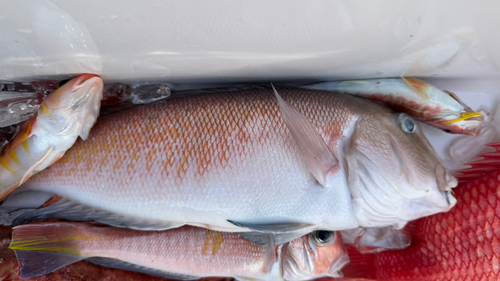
(219, 41)
(248, 40)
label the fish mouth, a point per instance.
(445, 182)
(337, 265)
(81, 80)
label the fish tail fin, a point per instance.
(45, 247)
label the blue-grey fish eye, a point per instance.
(407, 124)
(323, 237)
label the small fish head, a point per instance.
(320, 253)
(464, 123)
(394, 174)
(73, 108)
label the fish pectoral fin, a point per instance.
(74, 211)
(274, 228)
(318, 157)
(119, 264)
(270, 258)
(279, 238)
(419, 86)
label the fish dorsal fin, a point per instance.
(274, 228)
(419, 86)
(37, 263)
(119, 264)
(319, 159)
(74, 211)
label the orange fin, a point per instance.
(418, 86)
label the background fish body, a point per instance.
(205, 160)
(185, 252)
(440, 109)
(64, 115)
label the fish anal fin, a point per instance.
(279, 238)
(274, 227)
(119, 264)
(419, 86)
(318, 157)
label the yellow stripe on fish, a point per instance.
(214, 238)
(6, 165)
(13, 155)
(26, 146)
(465, 116)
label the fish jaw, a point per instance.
(456, 124)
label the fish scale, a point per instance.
(205, 160)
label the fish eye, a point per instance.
(323, 237)
(407, 124)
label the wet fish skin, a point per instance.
(229, 156)
(421, 100)
(83, 270)
(64, 115)
(185, 251)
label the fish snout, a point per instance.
(80, 81)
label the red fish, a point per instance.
(463, 244)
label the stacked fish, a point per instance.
(250, 184)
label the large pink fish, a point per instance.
(251, 161)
